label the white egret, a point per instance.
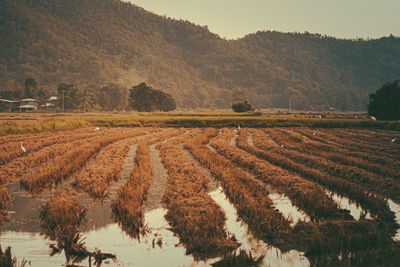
(373, 118)
(97, 129)
(313, 133)
(393, 140)
(238, 126)
(23, 148)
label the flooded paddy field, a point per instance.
(201, 197)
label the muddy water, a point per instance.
(345, 203)
(159, 248)
(290, 212)
(395, 208)
(125, 174)
(281, 202)
(273, 255)
(160, 181)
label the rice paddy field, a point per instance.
(100, 191)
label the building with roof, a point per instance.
(28, 104)
(52, 104)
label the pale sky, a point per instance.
(235, 18)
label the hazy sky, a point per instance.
(236, 18)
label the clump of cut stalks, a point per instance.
(60, 219)
(5, 199)
(107, 169)
(194, 216)
(279, 156)
(128, 207)
(249, 198)
(306, 195)
(374, 166)
(242, 258)
(333, 235)
(63, 166)
(7, 260)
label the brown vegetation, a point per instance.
(298, 163)
(63, 166)
(303, 168)
(249, 198)
(5, 199)
(128, 207)
(60, 219)
(306, 195)
(194, 216)
(106, 169)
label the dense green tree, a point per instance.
(144, 98)
(43, 94)
(12, 90)
(242, 107)
(86, 97)
(68, 95)
(384, 104)
(113, 97)
(30, 87)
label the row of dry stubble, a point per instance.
(254, 207)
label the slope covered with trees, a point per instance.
(109, 41)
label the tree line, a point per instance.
(88, 97)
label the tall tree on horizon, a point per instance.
(145, 99)
(30, 87)
(384, 104)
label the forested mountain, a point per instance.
(102, 41)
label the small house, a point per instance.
(28, 104)
(52, 104)
(54, 100)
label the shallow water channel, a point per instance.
(273, 255)
(395, 208)
(160, 247)
(345, 203)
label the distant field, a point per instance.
(13, 123)
(331, 193)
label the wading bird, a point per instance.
(23, 148)
(393, 140)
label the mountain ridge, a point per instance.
(100, 41)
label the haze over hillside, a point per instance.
(100, 41)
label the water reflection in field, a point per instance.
(273, 255)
